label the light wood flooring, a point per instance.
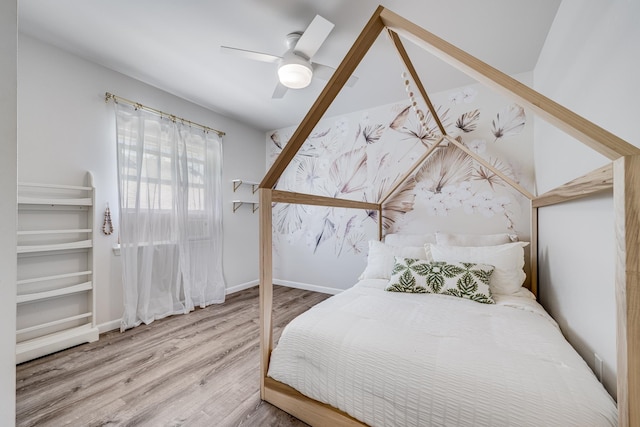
(199, 369)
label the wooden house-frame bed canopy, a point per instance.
(622, 174)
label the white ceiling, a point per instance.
(175, 46)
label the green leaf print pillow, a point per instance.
(460, 279)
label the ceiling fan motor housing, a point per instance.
(295, 71)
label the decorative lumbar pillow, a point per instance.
(458, 239)
(381, 257)
(508, 260)
(462, 279)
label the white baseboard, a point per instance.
(242, 286)
(307, 287)
(109, 326)
(115, 324)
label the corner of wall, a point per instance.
(8, 189)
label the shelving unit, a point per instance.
(55, 283)
(237, 183)
(238, 203)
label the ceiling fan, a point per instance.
(295, 68)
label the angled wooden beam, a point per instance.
(489, 166)
(344, 71)
(414, 75)
(266, 284)
(564, 119)
(596, 181)
(411, 170)
(310, 199)
(626, 201)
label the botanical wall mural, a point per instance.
(359, 156)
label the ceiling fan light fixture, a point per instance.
(295, 72)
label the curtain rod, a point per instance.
(137, 105)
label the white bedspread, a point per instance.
(393, 359)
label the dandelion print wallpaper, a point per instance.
(360, 155)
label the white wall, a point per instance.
(589, 64)
(8, 138)
(66, 128)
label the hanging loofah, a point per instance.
(107, 225)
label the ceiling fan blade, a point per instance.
(313, 37)
(325, 72)
(249, 54)
(279, 91)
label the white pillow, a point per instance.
(456, 239)
(397, 239)
(382, 257)
(508, 260)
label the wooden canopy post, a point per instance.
(266, 284)
(626, 199)
(380, 223)
(533, 252)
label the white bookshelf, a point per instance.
(55, 282)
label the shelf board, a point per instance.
(54, 186)
(57, 276)
(55, 247)
(238, 203)
(54, 323)
(68, 290)
(40, 232)
(50, 343)
(238, 182)
(82, 201)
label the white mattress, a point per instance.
(394, 359)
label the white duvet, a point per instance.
(394, 359)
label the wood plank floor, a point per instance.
(199, 369)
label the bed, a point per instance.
(542, 344)
(424, 359)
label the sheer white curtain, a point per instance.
(170, 195)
